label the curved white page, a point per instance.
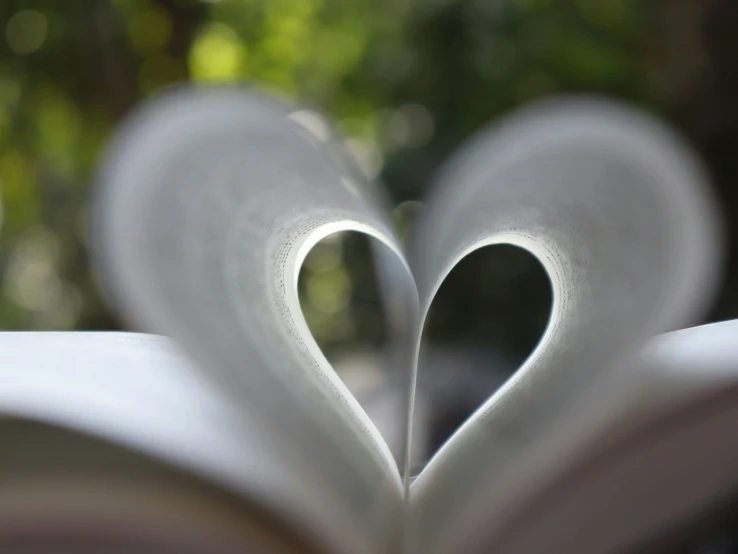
(656, 453)
(209, 201)
(661, 452)
(616, 210)
(140, 391)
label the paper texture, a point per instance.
(210, 200)
(141, 392)
(645, 458)
(615, 208)
(208, 205)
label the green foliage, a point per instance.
(405, 81)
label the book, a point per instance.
(218, 425)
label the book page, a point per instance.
(139, 391)
(647, 458)
(209, 202)
(616, 210)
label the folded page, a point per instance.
(141, 392)
(615, 209)
(659, 458)
(210, 200)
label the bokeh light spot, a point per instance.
(217, 54)
(329, 292)
(26, 31)
(324, 256)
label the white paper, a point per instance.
(209, 202)
(616, 210)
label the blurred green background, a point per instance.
(405, 81)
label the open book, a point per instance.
(234, 434)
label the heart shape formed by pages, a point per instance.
(210, 200)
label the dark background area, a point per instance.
(405, 81)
